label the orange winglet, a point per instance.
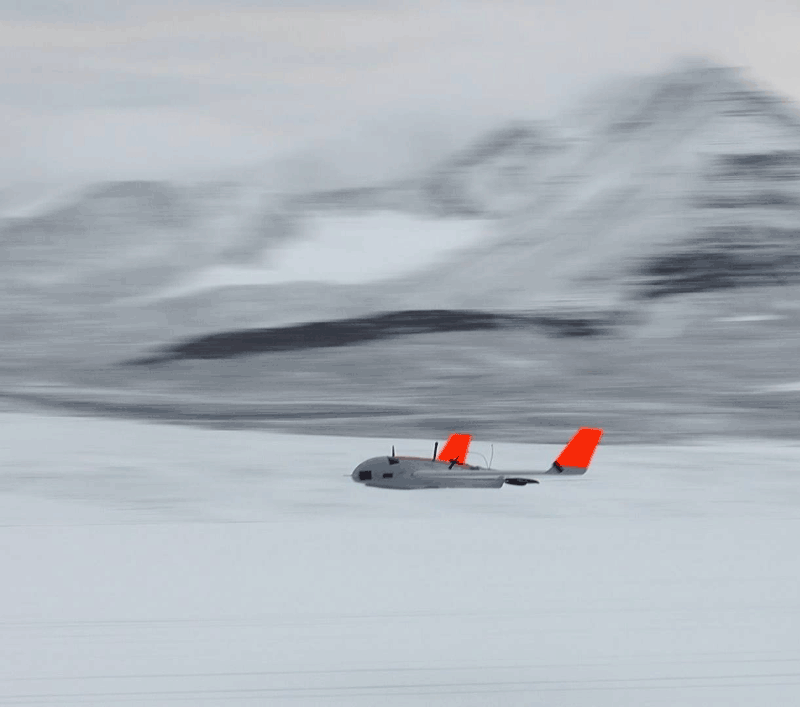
(579, 451)
(456, 447)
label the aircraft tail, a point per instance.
(577, 455)
(456, 448)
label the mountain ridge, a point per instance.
(671, 202)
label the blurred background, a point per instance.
(508, 217)
(377, 224)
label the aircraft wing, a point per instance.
(456, 473)
(574, 460)
(456, 478)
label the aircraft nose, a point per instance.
(362, 473)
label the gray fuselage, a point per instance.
(416, 473)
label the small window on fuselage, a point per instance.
(365, 476)
(388, 476)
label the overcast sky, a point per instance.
(153, 89)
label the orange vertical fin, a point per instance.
(578, 453)
(456, 447)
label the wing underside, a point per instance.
(435, 475)
(449, 479)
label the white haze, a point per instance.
(187, 88)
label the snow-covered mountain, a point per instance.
(671, 203)
(682, 183)
(121, 239)
(679, 182)
(491, 177)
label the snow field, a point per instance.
(348, 249)
(166, 565)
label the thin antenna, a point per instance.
(492, 457)
(482, 457)
(435, 449)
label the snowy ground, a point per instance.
(168, 565)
